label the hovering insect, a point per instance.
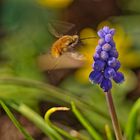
(65, 43)
(62, 54)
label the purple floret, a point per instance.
(99, 65)
(106, 47)
(98, 49)
(109, 73)
(112, 62)
(104, 55)
(113, 53)
(96, 77)
(108, 37)
(112, 31)
(106, 85)
(101, 41)
(119, 78)
(106, 29)
(101, 34)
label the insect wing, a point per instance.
(53, 31)
(59, 28)
(67, 61)
(76, 56)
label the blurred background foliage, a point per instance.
(25, 37)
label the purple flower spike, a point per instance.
(106, 65)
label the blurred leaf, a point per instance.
(85, 123)
(92, 103)
(132, 6)
(59, 130)
(131, 24)
(27, 37)
(16, 123)
(131, 126)
(36, 119)
(108, 132)
(51, 94)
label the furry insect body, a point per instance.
(63, 44)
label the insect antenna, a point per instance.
(92, 37)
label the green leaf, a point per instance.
(61, 131)
(131, 126)
(108, 132)
(55, 95)
(36, 119)
(16, 123)
(85, 123)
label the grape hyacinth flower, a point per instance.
(105, 69)
(106, 64)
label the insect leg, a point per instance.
(57, 62)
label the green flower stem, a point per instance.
(113, 115)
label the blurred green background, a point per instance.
(25, 80)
